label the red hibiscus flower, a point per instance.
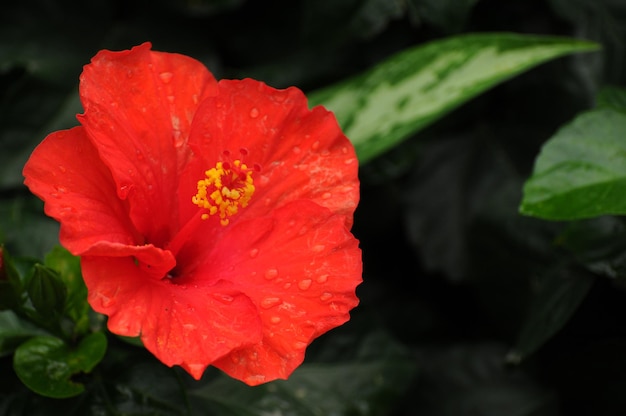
(212, 218)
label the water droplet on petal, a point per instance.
(254, 252)
(179, 140)
(275, 319)
(287, 285)
(254, 113)
(62, 169)
(296, 150)
(349, 161)
(166, 77)
(315, 145)
(304, 284)
(270, 302)
(105, 301)
(325, 296)
(299, 345)
(326, 195)
(171, 99)
(271, 273)
(222, 297)
(322, 278)
(318, 248)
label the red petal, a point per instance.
(138, 108)
(66, 172)
(303, 154)
(185, 325)
(300, 268)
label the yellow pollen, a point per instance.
(224, 190)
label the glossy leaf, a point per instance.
(581, 171)
(414, 88)
(47, 364)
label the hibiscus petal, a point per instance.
(302, 153)
(65, 171)
(300, 268)
(138, 108)
(186, 325)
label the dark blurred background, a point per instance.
(452, 273)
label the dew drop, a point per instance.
(303, 230)
(322, 278)
(179, 140)
(271, 273)
(189, 327)
(270, 302)
(315, 145)
(254, 252)
(325, 296)
(318, 248)
(222, 297)
(105, 301)
(326, 195)
(139, 154)
(296, 150)
(304, 284)
(54, 194)
(349, 161)
(299, 345)
(166, 77)
(62, 169)
(171, 99)
(60, 189)
(344, 150)
(275, 319)
(287, 285)
(254, 113)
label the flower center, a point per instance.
(226, 188)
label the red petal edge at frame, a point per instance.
(246, 295)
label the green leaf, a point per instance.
(47, 364)
(414, 88)
(581, 171)
(612, 97)
(557, 297)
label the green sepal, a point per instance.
(47, 292)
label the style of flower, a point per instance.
(212, 218)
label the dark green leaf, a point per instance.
(46, 365)
(612, 97)
(10, 283)
(412, 89)
(369, 385)
(580, 172)
(14, 331)
(557, 296)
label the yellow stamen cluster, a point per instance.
(226, 188)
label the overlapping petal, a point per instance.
(302, 153)
(66, 171)
(139, 106)
(187, 325)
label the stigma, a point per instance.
(226, 189)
